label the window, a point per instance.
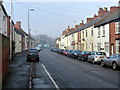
(86, 46)
(98, 32)
(117, 46)
(100, 53)
(83, 34)
(117, 27)
(103, 31)
(106, 45)
(86, 33)
(92, 46)
(91, 31)
(98, 46)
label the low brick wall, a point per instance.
(4, 52)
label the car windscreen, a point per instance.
(33, 50)
(88, 53)
(33, 53)
(100, 53)
(77, 52)
(119, 55)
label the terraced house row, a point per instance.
(15, 36)
(100, 33)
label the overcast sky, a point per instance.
(53, 17)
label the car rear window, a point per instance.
(100, 53)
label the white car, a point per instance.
(96, 56)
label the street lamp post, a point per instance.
(29, 44)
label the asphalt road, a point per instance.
(72, 73)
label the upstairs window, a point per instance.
(83, 34)
(99, 32)
(103, 31)
(86, 33)
(117, 27)
(91, 31)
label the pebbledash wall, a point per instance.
(4, 55)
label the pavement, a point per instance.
(25, 75)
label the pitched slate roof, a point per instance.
(89, 24)
(115, 16)
(3, 9)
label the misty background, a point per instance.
(44, 39)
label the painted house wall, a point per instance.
(76, 40)
(103, 40)
(62, 42)
(3, 21)
(18, 44)
(70, 39)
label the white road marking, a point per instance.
(56, 86)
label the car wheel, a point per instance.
(102, 63)
(88, 61)
(27, 60)
(114, 65)
(93, 61)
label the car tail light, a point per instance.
(28, 53)
(84, 55)
(37, 54)
(97, 57)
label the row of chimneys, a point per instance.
(101, 12)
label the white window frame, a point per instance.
(117, 46)
(98, 32)
(103, 31)
(117, 27)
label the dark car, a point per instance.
(60, 51)
(75, 54)
(33, 55)
(69, 53)
(83, 56)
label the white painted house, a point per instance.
(3, 20)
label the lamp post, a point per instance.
(11, 29)
(29, 44)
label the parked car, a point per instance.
(75, 54)
(38, 48)
(96, 56)
(112, 61)
(84, 55)
(69, 53)
(60, 51)
(65, 52)
(33, 55)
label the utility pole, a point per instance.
(10, 29)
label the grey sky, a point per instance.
(52, 18)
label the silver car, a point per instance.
(96, 56)
(113, 60)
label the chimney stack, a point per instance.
(102, 12)
(95, 16)
(18, 23)
(89, 19)
(114, 8)
(81, 24)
